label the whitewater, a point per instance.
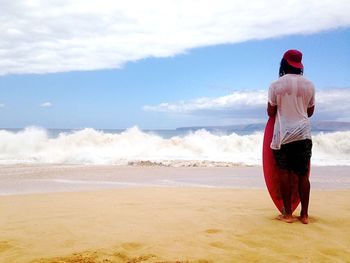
(34, 145)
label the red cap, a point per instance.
(293, 58)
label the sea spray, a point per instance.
(136, 147)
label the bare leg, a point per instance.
(304, 193)
(286, 196)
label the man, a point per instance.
(292, 100)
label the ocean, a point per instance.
(175, 148)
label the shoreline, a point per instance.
(28, 179)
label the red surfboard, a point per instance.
(271, 171)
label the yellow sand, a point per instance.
(170, 225)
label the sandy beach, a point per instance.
(169, 224)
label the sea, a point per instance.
(176, 148)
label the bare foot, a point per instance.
(304, 219)
(286, 218)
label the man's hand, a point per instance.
(271, 110)
(310, 111)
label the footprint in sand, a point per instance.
(5, 245)
(213, 231)
(219, 245)
(131, 246)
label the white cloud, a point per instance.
(40, 36)
(331, 104)
(2, 105)
(334, 104)
(46, 104)
(237, 100)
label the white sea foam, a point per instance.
(135, 147)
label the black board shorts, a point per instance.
(294, 157)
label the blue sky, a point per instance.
(196, 84)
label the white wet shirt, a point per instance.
(293, 94)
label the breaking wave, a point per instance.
(135, 147)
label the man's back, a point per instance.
(293, 95)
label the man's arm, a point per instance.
(310, 111)
(271, 110)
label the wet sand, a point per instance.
(24, 179)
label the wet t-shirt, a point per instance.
(293, 94)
